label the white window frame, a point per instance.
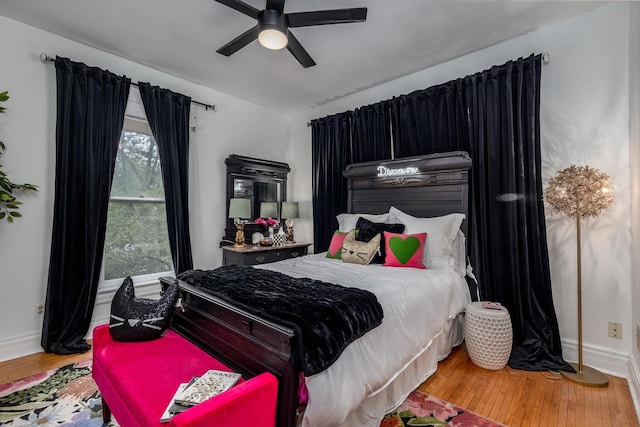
(135, 121)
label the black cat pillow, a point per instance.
(367, 230)
(140, 319)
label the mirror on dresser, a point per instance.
(258, 181)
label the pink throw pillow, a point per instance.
(335, 248)
(404, 250)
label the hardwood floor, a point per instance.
(514, 398)
(22, 367)
(532, 399)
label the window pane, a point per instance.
(137, 170)
(137, 240)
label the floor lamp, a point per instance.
(580, 192)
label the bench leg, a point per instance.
(106, 412)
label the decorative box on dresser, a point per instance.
(255, 254)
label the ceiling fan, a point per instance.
(272, 29)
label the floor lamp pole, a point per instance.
(584, 375)
(579, 258)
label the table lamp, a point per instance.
(238, 210)
(579, 192)
(269, 210)
(290, 210)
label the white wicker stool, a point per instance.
(488, 335)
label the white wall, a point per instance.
(584, 120)
(28, 130)
(634, 161)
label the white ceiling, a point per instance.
(399, 37)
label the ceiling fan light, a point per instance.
(272, 39)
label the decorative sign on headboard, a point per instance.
(422, 186)
(385, 171)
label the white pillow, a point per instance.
(347, 222)
(459, 253)
(441, 231)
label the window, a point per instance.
(137, 242)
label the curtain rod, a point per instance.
(46, 58)
(545, 60)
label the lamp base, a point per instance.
(239, 242)
(589, 377)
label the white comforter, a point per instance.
(417, 305)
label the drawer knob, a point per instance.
(294, 254)
(260, 258)
(247, 325)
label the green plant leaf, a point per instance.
(8, 203)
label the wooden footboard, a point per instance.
(240, 340)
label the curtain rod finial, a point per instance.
(545, 58)
(44, 57)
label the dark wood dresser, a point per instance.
(254, 254)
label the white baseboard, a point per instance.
(606, 360)
(29, 343)
(634, 384)
(20, 345)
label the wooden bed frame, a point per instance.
(422, 186)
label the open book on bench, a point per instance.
(199, 389)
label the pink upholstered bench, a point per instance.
(138, 379)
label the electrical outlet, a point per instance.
(615, 330)
(38, 310)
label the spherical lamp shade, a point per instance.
(579, 192)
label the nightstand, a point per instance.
(254, 254)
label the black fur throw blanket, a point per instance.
(325, 317)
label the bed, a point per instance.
(378, 370)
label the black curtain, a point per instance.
(495, 116)
(509, 246)
(371, 133)
(430, 121)
(168, 116)
(331, 153)
(90, 113)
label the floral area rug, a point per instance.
(420, 409)
(67, 396)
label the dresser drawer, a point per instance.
(256, 256)
(272, 256)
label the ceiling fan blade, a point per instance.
(239, 42)
(275, 5)
(324, 17)
(298, 51)
(241, 7)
